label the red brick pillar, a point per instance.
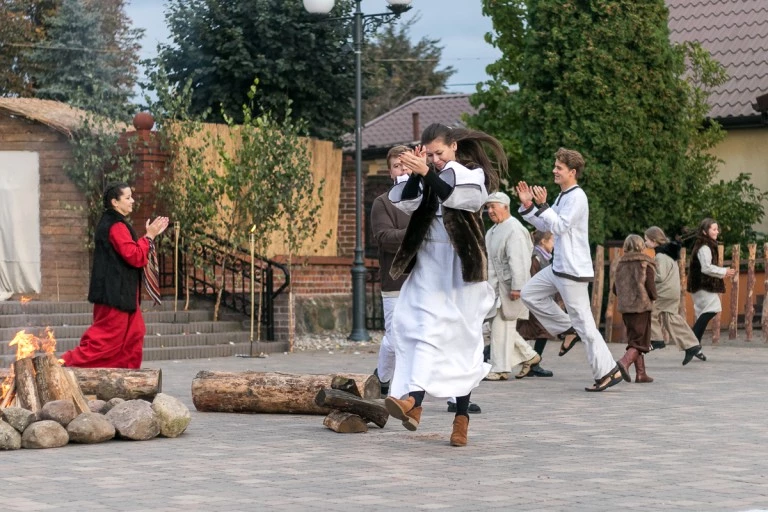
(345, 243)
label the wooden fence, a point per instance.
(738, 300)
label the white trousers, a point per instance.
(539, 297)
(386, 364)
(508, 348)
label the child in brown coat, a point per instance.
(636, 290)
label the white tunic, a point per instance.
(438, 318)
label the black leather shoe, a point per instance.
(487, 353)
(657, 345)
(700, 355)
(538, 371)
(383, 386)
(473, 407)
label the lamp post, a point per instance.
(360, 23)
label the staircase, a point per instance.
(188, 334)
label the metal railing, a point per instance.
(205, 267)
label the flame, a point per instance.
(26, 344)
(24, 300)
(7, 384)
(48, 344)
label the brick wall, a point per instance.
(65, 263)
(345, 243)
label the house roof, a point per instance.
(736, 34)
(54, 114)
(397, 125)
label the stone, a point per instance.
(89, 428)
(134, 419)
(110, 404)
(172, 415)
(97, 406)
(18, 417)
(10, 439)
(60, 411)
(44, 434)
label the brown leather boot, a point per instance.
(640, 368)
(459, 434)
(629, 357)
(405, 411)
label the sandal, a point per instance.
(609, 380)
(566, 347)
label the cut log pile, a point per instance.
(349, 401)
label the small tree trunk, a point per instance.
(52, 383)
(682, 309)
(613, 258)
(597, 289)
(369, 410)
(345, 422)
(733, 325)
(27, 396)
(749, 313)
(718, 317)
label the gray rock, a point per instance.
(44, 434)
(10, 439)
(60, 411)
(89, 428)
(172, 415)
(110, 404)
(18, 417)
(134, 419)
(97, 406)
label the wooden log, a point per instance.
(764, 318)
(51, 381)
(270, 392)
(81, 403)
(749, 308)
(613, 257)
(125, 383)
(10, 395)
(369, 410)
(682, 309)
(345, 422)
(719, 316)
(345, 384)
(27, 396)
(598, 285)
(733, 325)
(108, 383)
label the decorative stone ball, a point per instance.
(143, 121)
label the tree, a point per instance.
(396, 71)
(222, 46)
(79, 65)
(21, 28)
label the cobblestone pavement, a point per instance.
(694, 440)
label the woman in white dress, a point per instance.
(705, 281)
(439, 315)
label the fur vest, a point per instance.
(465, 229)
(697, 280)
(634, 285)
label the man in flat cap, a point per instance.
(509, 248)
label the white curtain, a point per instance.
(19, 223)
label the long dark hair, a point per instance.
(469, 149)
(114, 190)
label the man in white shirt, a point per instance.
(571, 269)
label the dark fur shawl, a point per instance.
(464, 228)
(698, 280)
(634, 285)
(671, 249)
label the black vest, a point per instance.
(113, 282)
(696, 279)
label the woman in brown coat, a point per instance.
(636, 290)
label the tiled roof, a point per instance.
(396, 126)
(736, 34)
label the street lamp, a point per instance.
(360, 23)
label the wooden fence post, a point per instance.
(597, 288)
(682, 309)
(749, 308)
(733, 325)
(719, 316)
(613, 260)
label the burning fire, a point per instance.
(24, 300)
(27, 344)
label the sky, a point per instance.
(458, 24)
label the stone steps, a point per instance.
(181, 335)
